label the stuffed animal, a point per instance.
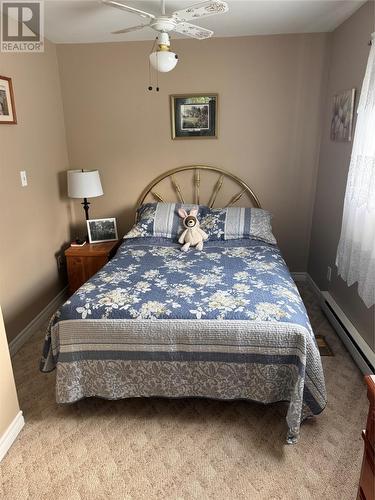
(193, 235)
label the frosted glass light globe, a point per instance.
(163, 61)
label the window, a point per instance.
(356, 250)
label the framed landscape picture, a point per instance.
(342, 116)
(7, 107)
(194, 116)
(102, 230)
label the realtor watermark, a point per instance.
(22, 26)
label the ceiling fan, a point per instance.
(163, 59)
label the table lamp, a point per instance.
(84, 184)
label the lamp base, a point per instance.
(86, 206)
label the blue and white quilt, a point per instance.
(227, 323)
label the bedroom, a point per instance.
(272, 70)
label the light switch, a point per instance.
(23, 178)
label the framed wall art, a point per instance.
(342, 116)
(194, 116)
(7, 106)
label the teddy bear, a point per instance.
(193, 235)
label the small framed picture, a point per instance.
(101, 230)
(7, 106)
(194, 116)
(342, 116)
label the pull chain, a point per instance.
(157, 73)
(149, 75)
(149, 69)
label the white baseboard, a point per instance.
(299, 277)
(11, 434)
(313, 286)
(362, 354)
(303, 277)
(16, 344)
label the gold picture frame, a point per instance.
(7, 107)
(194, 116)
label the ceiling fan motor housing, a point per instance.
(163, 41)
(164, 24)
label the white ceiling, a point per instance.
(86, 21)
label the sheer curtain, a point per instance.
(356, 250)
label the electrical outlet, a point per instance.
(23, 178)
(329, 273)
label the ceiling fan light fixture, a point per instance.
(163, 60)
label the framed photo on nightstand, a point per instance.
(100, 230)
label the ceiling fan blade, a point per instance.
(133, 10)
(129, 30)
(202, 9)
(193, 31)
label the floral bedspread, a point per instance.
(154, 311)
(146, 281)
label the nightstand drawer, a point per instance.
(76, 273)
(84, 262)
(80, 269)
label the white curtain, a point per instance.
(356, 250)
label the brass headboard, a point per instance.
(196, 170)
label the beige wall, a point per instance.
(269, 117)
(270, 91)
(34, 220)
(8, 397)
(349, 53)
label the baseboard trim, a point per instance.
(16, 344)
(361, 353)
(314, 286)
(363, 356)
(299, 277)
(11, 434)
(304, 277)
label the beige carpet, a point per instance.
(185, 449)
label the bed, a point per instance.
(225, 323)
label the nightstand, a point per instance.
(366, 489)
(84, 262)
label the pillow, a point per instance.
(157, 220)
(162, 220)
(253, 223)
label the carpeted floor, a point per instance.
(185, 449)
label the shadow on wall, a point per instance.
(46, 290)
(63, 196)
(15, 323)
(124, 218)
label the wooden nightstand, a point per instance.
(366, 490)
(84, 262)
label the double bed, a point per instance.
(227, 322)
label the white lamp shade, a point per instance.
(84, 184)
(163, 61)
